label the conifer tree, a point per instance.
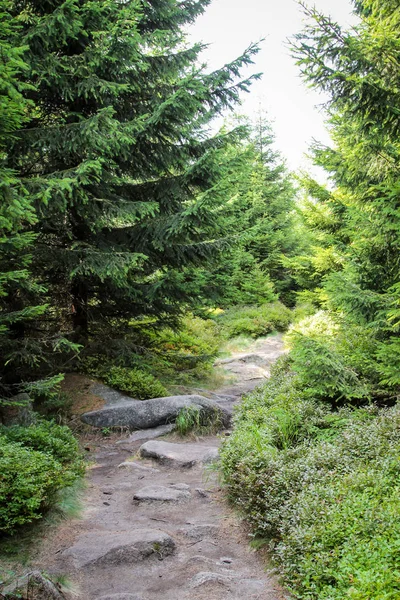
(117, 157)
(260, 216)
(16, 291)
(360, 71)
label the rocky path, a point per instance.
(155, 526)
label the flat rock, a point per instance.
(109, 395)
(134, 466)
(147, 414)
(121, 597)
(148, 434)
(117, 548)
(199, 532)
(179, 455)
(160, 493)
(234, 581)
(210, 577)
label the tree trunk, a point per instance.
(80, 309)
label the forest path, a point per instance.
(155, 524)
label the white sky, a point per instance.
(229, 26)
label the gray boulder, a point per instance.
(33, 582)
(18, 412)
(179, 455)
(125, 547)
(152, 413)
(160, 493)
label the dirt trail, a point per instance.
(159, 529)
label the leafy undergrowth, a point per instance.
(254, 321)
(175, 360)
(168, 358)
(321, 487)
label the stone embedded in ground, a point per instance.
(121, 597)
(125, 547)
(180, 486)
(199, 532)
(243, 587)
(148, 434)
(179, 455)
(147, 414)
(109, 395)
(160, 493)
(210, 577)
(33, 582)
(137, 467)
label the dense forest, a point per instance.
(135, 239)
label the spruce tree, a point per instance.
(260, 217)
(17, 292)
(359, 69)
(117, 156)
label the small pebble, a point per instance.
(106, 503)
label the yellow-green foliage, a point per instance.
(135, 382)
(333, 359)
(254, 321)
(168, 357)
(322, 488)
(196, 338)
(317, 326)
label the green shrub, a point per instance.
(197, 337)
(180, 356)
(254, 321)
(135, 382)
(36, 462)
(52, 439)
(322, 487)
(28, 482)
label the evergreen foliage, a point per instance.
(116, 155)
(313, 459)
(36, 462)
(17, 293)
(360, 71)
(261, 219)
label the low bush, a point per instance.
(28, 481)
(135, 382)
(180, 356)
(254, 321)
(321, 487)
(35, 463)
(52, 439)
